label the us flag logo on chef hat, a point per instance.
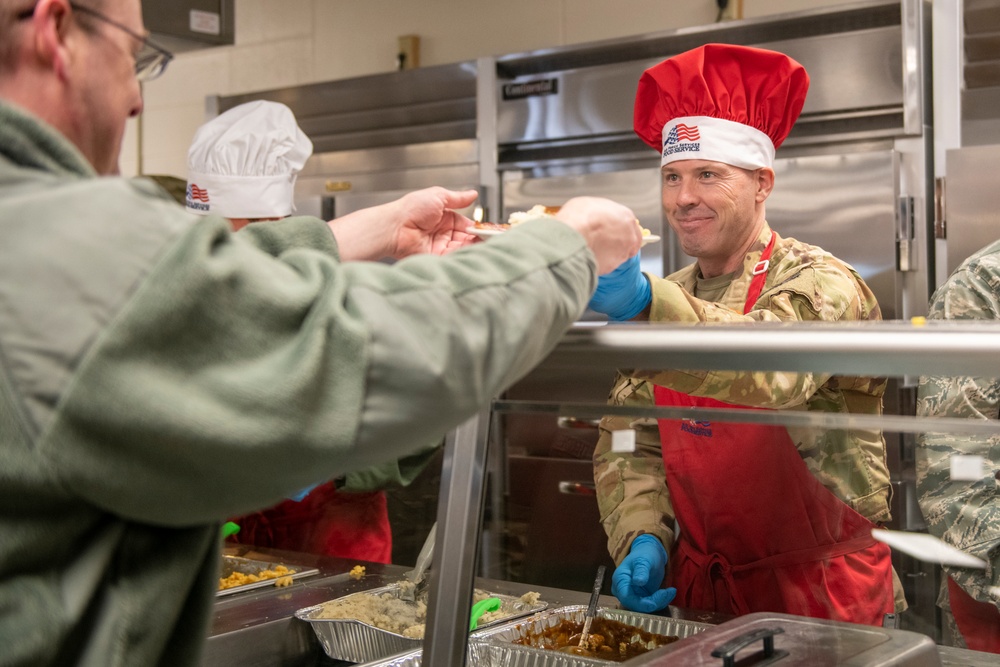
(197, 198)
(682, 132)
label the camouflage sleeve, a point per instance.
(632, 491)
(965, 514)
(822, 293)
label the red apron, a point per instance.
(758, 532)
(978, 622)
(327, 522)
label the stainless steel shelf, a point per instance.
(892, 349)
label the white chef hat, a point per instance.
(720, 102)
(243, 163)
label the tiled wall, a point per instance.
(290, 42)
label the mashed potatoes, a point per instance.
(384, 610)
(387, 611)
(536, 211)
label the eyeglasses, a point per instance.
(150, 62)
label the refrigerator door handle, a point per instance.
(904, 234)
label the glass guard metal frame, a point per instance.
(956, 348)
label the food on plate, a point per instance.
(280, 572)
(387, 611)
(608, 639)
(517, 217)
(357, 572)
(493, 226)
(537, 211)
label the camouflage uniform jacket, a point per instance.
(964, 514)
(804, 283)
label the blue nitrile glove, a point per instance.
(300, 496)
(623, 293)
(636, 582)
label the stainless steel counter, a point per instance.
(257, 628)
(959, 657)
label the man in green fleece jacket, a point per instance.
(159, 373)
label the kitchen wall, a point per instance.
(290, 42)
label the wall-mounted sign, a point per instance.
(517, 91)
(206, 23)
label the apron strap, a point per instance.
(715, 568)
(716, 564)
(759, 274)
(811, 555)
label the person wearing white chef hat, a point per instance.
(243, 163)
(242, 166)
(770, 518)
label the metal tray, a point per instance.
(231, 564)
(491, 648)
(354, 641)
(483, 654)
(797, 641)
(516, 654)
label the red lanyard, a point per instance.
(759, 276)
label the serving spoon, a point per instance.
(581, 646)
(592, 607)
(416, 579)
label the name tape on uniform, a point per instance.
(623, 441)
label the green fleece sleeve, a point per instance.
(233, 377)
(399, 472)
(277, 236)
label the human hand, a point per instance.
(636, 582)
(609, 228)
(418, 222)
(427, 223)
(623, 293)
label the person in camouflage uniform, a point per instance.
(738, 525)
(965, 514)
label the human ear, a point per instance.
(51, 26)
(765, 183)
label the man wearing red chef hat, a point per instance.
(754, 517)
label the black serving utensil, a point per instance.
(592, 607)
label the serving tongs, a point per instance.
(415, 581)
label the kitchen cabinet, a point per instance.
(185, 25)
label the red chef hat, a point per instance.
(720, 102)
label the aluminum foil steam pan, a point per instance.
(525, 656)
(491, 647)
(497, 655)
(354, 641)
